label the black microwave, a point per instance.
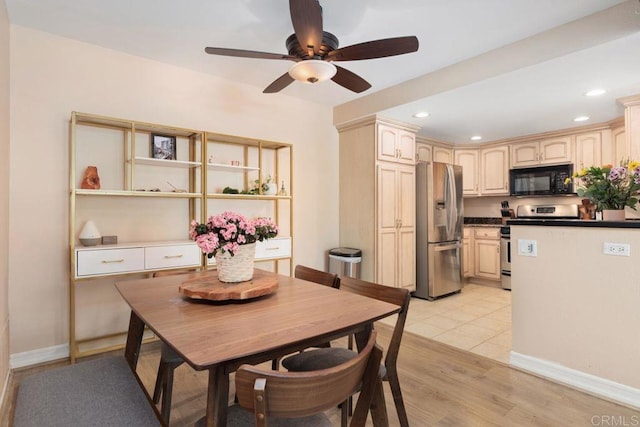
(541, 181)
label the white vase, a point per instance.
(89, 236)
(237, 268)
(272, 189)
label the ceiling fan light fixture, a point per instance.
(312, 71)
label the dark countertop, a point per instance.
(482, 221)
(630, 223)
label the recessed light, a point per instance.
(421, 115)
(476, 138)
(595, 92)
(581, 119)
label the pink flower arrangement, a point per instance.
(228, 231)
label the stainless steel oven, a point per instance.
(505, 257)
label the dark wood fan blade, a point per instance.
(248, 53)
(375, 49)
(279, 84)
(306, 17)
(351, 81)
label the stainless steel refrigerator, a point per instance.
(439, 222)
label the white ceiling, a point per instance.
(538, 97)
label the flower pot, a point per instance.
(272, 189)
(613, 215)
(237, 268)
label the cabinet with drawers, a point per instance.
(152, 181)
(486, 247)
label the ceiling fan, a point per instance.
(313, 50)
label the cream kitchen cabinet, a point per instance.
(377, 204)
(467, 252)
(395, 259)
(588, 150)
(442, 154)
(396, 145)
(423, 152)
(620, 145)
(468, 159)
(486, 248)
(494, 167)
(547, 151)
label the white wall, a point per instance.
(52, 76)
(4, 197)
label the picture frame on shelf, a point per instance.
(163, 147)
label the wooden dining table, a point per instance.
(221, 336)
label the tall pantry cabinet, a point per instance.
(377, 198)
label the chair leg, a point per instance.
(157, 390)
(275, 363)
(397, 398)
(344, 413)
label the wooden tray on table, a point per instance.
(210, 288)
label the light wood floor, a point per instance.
(442, 386)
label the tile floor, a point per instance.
(478, 319)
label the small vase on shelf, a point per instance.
(613, 215)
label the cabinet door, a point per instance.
(524, 154)
(387, 143)
(621, 149)
(487, 259)
(406, 239)
(494, 176)
(423, 152)
(468, 159)
(588, 150)
(406, 191)
(467, 253)
(444, 155)
(406, 147)
(387, 198)
(555, 150)
(386, 257)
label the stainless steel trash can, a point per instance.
(345, 262)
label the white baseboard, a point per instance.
(40, 355)
(608, 389)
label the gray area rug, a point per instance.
(98, 392)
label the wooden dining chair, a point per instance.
(300, 398)
(317, 276)
(325, 357)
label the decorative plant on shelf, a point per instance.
(228, 231)
(267, 182)
(610, 187)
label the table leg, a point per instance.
(362, 337)
(217, 397)
(134, 340)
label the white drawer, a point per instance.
(108, 261)
(172, 256)
(279, 247)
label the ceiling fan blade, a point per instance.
(375, 49)
(248, 53)
(351, 81)
(306, 17)
(279, 84)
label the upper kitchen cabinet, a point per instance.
(544, 152)
(494, 167)
(442, 154)
(619, 144)
(377, 200)
(468, 159)
(588, 150)
(396, 145)
(423, 152)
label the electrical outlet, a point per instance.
(527, 247)
(618, 249)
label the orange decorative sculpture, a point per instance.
(91, 180)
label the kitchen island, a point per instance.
(576, 304)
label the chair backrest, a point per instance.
(397, 296)
(299, 394)
(317, 276)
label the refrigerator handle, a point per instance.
(441, 248)
(452, 208)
